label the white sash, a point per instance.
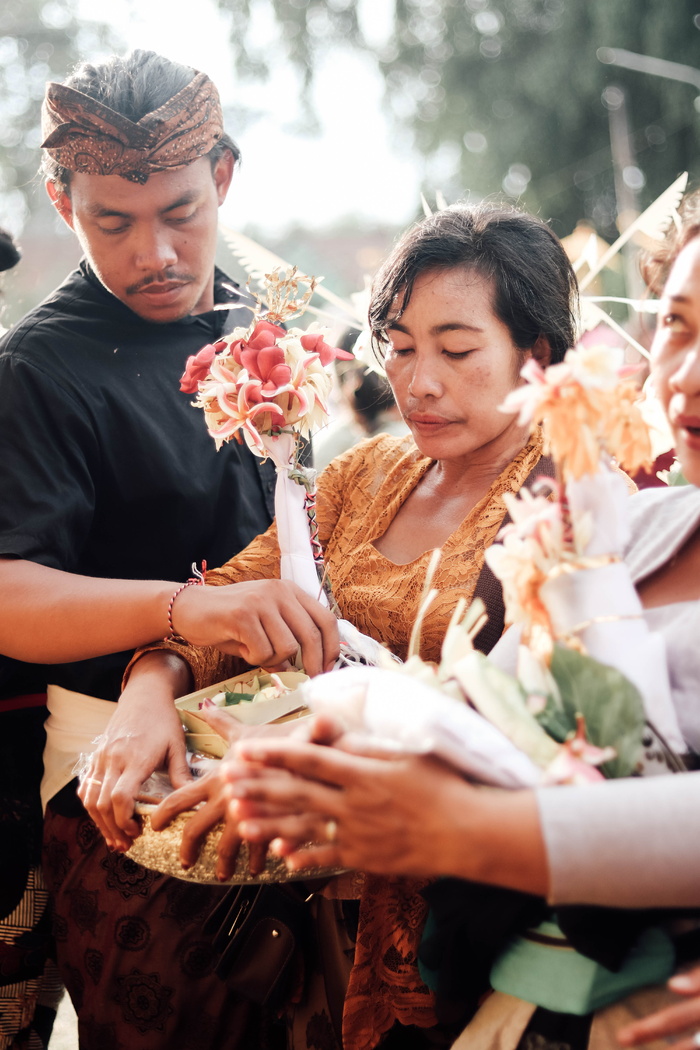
(73, 723)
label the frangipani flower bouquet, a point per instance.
(269, 387)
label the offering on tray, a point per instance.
(254, 698)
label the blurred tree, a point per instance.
(508, 96)
(40, 40)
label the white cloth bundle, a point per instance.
(402, 714)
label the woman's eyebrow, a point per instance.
(438, 329)
(455, 326)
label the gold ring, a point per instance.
(92, 780)
(331, 830)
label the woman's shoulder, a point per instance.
(661, 521)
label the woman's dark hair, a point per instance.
(133, 85)
(656, 264)
(535, 288)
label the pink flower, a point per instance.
(577, 759)
(271, 368)
(263, 359)
(264, 336)
(197, 368)
(316, 344)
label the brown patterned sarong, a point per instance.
(131, 952)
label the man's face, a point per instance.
(151, 245)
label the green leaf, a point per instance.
(609, 702)
(236, 698)
(555, 720)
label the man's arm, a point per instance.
(51, 616)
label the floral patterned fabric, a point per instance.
(137, 967)
(358, 495)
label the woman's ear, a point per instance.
(542, 351)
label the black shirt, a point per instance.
(106, 469)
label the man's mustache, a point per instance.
(159, 278)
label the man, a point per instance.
(110, 480)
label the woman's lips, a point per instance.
(428, 424)
(689, 427)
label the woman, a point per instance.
(464, 299)
(630, 844)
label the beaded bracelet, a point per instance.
(197, 580)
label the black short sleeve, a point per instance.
(48, 460)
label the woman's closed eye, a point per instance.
(458, 354)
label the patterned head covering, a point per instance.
(84, 135)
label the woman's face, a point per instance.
(451, 362)
(675, 356)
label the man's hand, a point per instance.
(383, 812)
(263, 621)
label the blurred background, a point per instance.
(581, 111)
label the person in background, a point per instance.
(9, 252)
(368, 408)
(9, 257)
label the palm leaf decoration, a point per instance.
(588, 256)
(653, 222)
(258, 261)
(592, 315)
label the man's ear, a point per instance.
(542, 351)
(61, 202)
(223, 173)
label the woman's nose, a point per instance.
(425, 380)
(686, 377)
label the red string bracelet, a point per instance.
(197, 580)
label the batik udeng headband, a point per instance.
(83, 135)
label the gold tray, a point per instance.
(160, 851)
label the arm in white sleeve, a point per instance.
(632, 843)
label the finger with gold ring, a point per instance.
(331, 830)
